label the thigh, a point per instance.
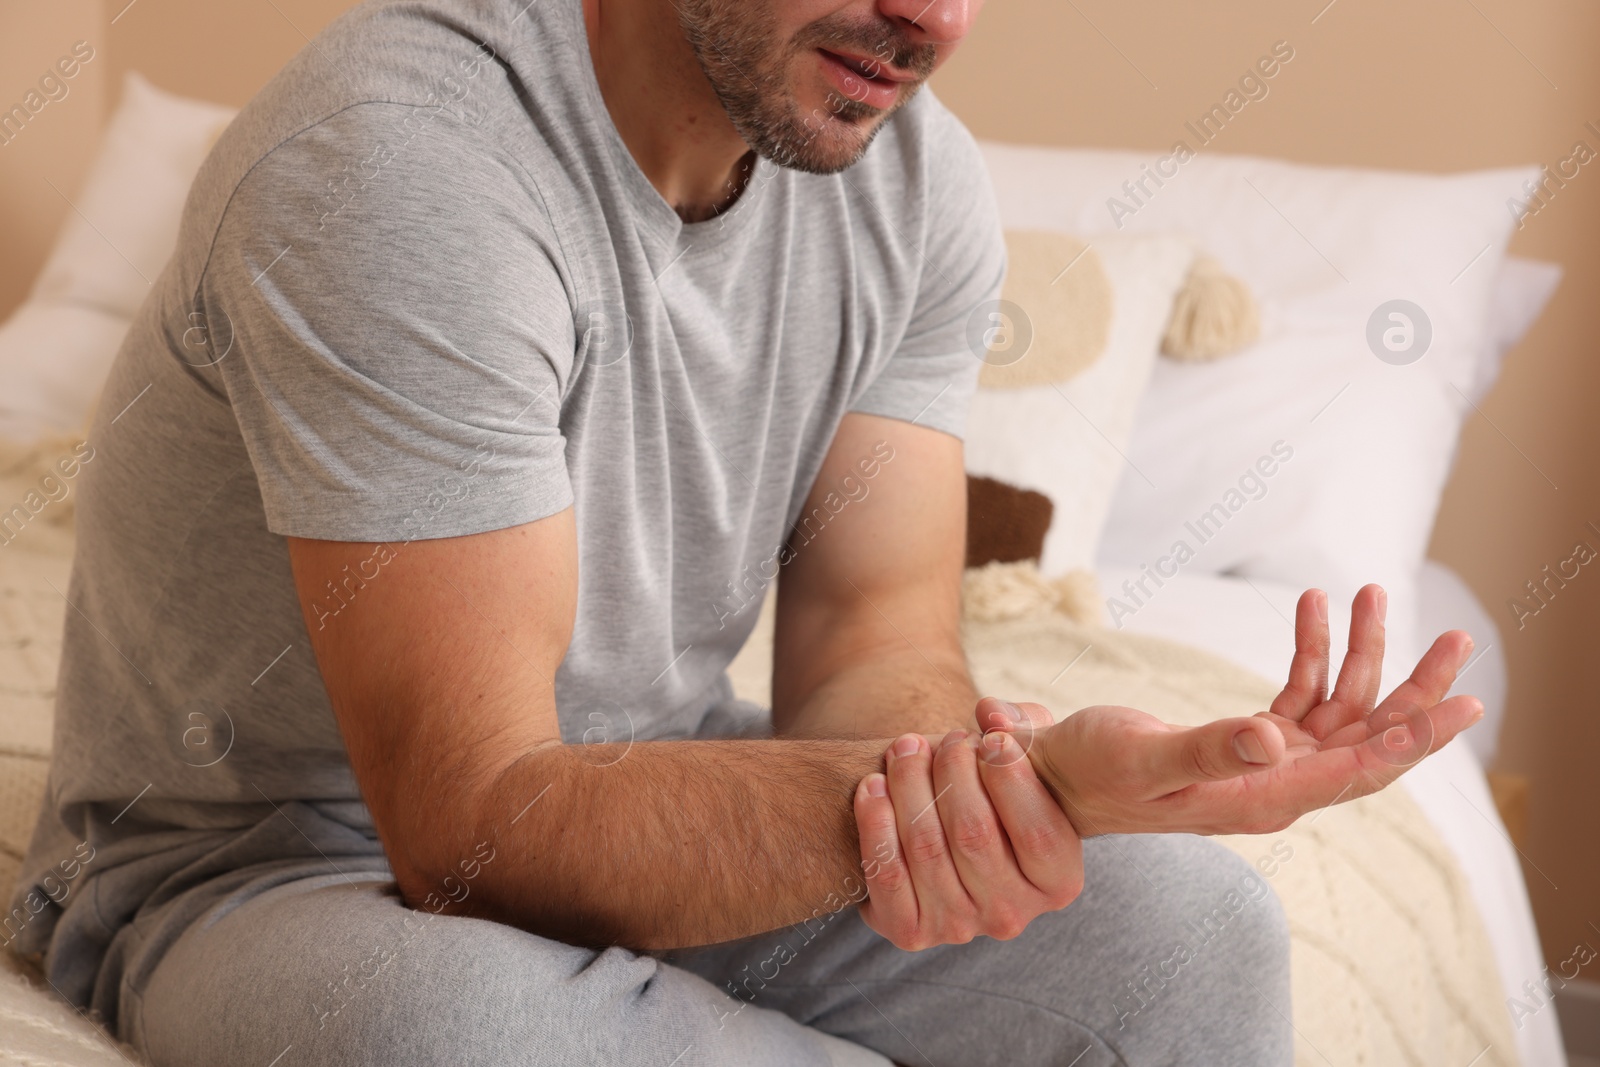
(312, 965)
(1176, 952)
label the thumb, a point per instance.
(1227, 748)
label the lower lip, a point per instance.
(878, 93)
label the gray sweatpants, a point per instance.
(1177, 952)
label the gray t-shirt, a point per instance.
(422, 290)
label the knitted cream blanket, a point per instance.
(37, 1028)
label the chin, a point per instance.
(838, 145)
(826, 133)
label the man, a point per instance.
(503, 344)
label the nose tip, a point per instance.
(951, 20)
(937, 21)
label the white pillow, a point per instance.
(1371, 443)
(53, 359)
(1319, 246)
(56, 349)
(1521, 290)
(1326, 465)
(126, 223)
(1067, 441)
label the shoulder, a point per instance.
(381, 225)
(414, 162)
(386, 85)
(399, 200)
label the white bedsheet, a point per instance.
(1250, 623)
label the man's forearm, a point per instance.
(900, 692)
(666, 844)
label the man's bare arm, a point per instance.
(441, 669)
(869, 603)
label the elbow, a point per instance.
(462, 886)
(442, 854)
(445, 845)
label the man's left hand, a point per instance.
(1119, 770)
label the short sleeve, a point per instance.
(933, 372)
(399, 335)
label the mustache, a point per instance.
(881, 41)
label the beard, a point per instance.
(750, 70)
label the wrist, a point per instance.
(1055, 783)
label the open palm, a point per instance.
(1119, 770)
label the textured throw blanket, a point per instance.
(37, 1029)
(1391, 964)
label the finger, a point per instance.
(1430, 680)
(1003, 897)
(1362, 670)
(1434, 673)
(1337, 772)
(940, 893)
(1308, 672)
(996, 714)
(1024, 721)
(1227, 748)
(891, 905)
(1047, 848)
(1408, 736)
(1405, 737)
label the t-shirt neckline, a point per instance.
(654, 211)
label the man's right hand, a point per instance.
(961, 838)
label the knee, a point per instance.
(1240, 890)
(1221, 903)
(1223, 968)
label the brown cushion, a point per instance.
(1005, 524)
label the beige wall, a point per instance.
(55, 146)
(217, 51)
(1432, 85)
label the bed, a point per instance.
(1410, 917)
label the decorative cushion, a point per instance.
(1215, 314)
(1004, 523)
(1065, 299)
(1067, 439)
